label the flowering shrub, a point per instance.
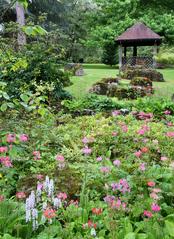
(113, 177)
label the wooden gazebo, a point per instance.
(138, 35)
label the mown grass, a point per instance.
(95, 72)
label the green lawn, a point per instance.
(94, 73)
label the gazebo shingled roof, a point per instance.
(139, 35)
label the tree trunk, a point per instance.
(20, 14)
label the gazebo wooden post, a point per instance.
(134, 55)
(155, 51)
(120, 56)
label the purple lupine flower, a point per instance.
(57, 203)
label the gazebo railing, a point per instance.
(145, 61)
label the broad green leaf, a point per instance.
(5, 95)
(130, 235)
(170, 227)
(4, 107)
(25, 98)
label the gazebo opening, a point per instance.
(138, 35)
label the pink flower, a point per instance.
(144, 150)
(155, 207)
(116, 112)
(156, 190)
(6, 162)
(39, 186)
(39, 176)
(3, 149)
(147, 214)
(23, 138)
(105, 169)
(169, 124)
(1, 198)
(87, 150)
(138, 154)
(117, 162)
(60, 158)
(141, 131)
(36, 155)
(124, 128)
(99, 159)
(170, 134)
(62, 196)
(167, 112)
(142, 167)
(154, 196)
(11, 138)
(163, 158)
(114, 133)
(20, 195)
(85, 140)
(151, 184)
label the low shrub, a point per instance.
(141, 81)
(151, 74)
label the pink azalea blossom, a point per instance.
(155, 207)
(62, 196)
(60, 158)
(11, 138)
(23, 138)
(163, 158)
(117, 162)
(36, 155)
(170, 134)
(99, 159)
(3, 149)
(147, 214)
(87, 150)
(138, 154)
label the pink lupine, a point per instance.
(147, 214)
(10, 138)
(23, 138)
(36, 155)
(155, 207)
(3, 149)
(87, 150)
